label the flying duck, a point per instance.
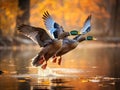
(49, 44)
(54, 28)
(70, 44)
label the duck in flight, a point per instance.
(49, 44)
(70, 44)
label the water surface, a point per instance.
(85, 68)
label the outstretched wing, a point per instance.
(38, 35)
(87, 26)
(54, 28)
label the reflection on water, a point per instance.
(82, 69)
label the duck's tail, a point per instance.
(38, 60)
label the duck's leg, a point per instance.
(54, 59)
(42, 59)
(44, 66)
(59, 60)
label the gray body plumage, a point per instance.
(48, 51)
(40, 36)
(70, 44)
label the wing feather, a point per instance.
(54, 28)
(87, 26)
(38, 35)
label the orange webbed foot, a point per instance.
(54, 59)
(44, 66)
(59, 61)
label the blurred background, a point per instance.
(94, 65)
(70, 14)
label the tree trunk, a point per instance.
(24, 13)
(115, 12)
(117, 18)
(23, 16)
(24, 6)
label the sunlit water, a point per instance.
(85, 68)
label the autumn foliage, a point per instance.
(71, 14)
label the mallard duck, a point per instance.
(70, 44)
(40, 36)
(54, 28)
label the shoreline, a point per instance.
(88, 44)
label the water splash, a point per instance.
(48, 72)
(59, 72)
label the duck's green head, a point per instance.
(74, 32)
(90, 38)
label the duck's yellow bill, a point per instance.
(94, 38)
(79, 33)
